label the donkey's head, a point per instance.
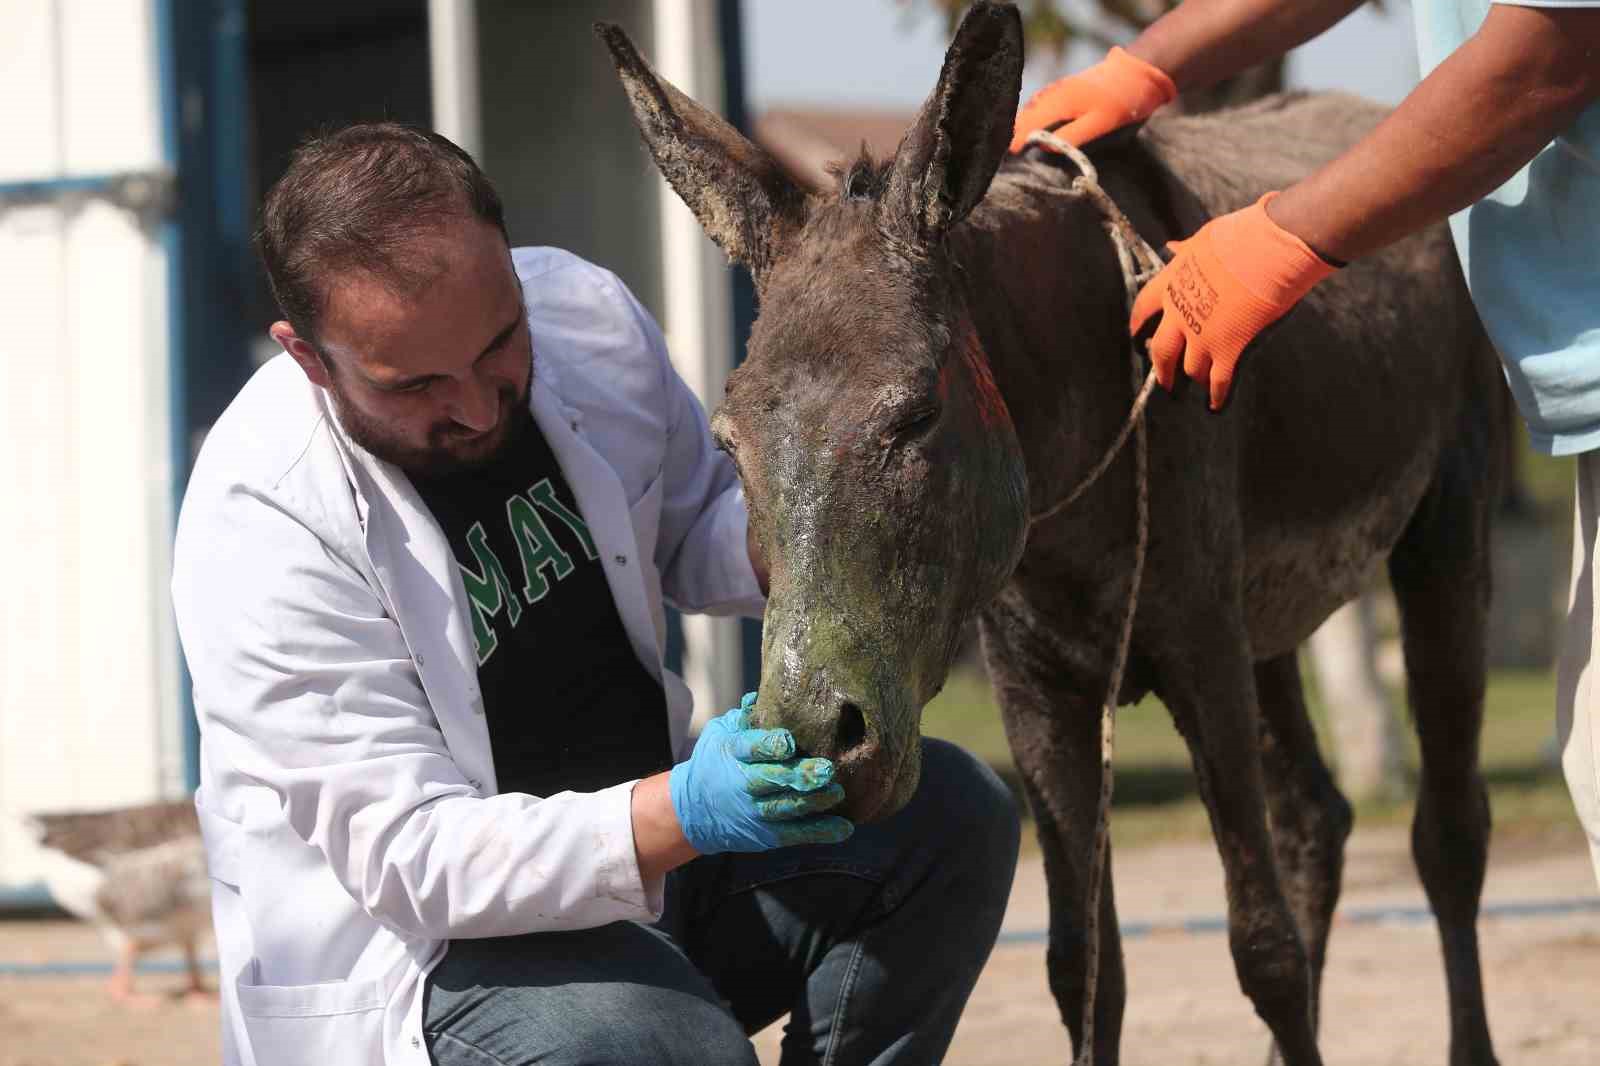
(883, 474)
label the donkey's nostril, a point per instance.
(851, 729)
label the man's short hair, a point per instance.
(357, 198)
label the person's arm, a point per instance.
(306, 688)
(1193, 46)
(657, 834)
(1201, 42)
(1476, 120)
(1481, 115)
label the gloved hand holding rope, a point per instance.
(1236, 276)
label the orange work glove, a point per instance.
(1117, 91)
(1235, 277)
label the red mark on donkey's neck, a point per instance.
(986, 398)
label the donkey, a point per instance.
(941, 353)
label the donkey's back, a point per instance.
(1380, 387)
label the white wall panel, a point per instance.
(35, 754)
(88, 692)
(110, 117)
(30, 105)
(118, 423)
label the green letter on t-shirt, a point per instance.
(488, 590)
(537, 547)
(544, 494)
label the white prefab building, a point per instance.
(139, 135)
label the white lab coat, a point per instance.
(347, 797)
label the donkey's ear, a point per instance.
(742, 197)
(947, 159)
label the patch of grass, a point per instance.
(1155, 796)
(1547, 481)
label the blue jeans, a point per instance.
(872, 946)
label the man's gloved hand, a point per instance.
(742, 789)
(1235, 277)
(1118, 91)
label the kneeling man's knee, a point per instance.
(616, 995)
(974, 808)
(647, 1026)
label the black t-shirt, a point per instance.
(569, 705)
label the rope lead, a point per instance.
(1139, 263)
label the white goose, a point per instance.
(138, 873)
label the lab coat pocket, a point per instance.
(313, 1025)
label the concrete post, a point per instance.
(1365, 723)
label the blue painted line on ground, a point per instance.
(95, 969)
(1352, 916)
(33, 896)
(1130, 931)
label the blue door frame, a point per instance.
(204, 93)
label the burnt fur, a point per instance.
(939, 356)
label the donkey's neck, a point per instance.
(1046, 293)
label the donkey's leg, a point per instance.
(1310, 818)
(1441, 582)
(1055, 739)
(1211, 692)
(1067, 850)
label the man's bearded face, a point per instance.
(434, 380)
(444, 447)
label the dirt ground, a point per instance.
(1383, 996)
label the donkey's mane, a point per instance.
(862, 178)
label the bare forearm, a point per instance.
(1487, 110)
(1201, 42)
(657, 836)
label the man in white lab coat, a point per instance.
(419, 578)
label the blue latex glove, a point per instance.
(741, 789)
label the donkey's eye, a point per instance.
(915, 423)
